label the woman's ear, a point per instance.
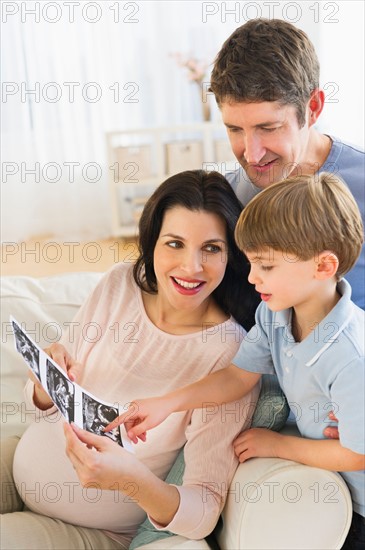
(315, 104)
(327, 265)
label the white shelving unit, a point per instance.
(139, 160)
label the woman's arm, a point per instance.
(113, 468)
(192, 509)
(319, 453)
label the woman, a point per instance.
(162, 323)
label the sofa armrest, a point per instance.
(275, 503)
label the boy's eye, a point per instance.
(266, 267)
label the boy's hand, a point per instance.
(257, 442)
(60, 355)
(332, 431)
(142, 415)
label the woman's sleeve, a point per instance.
(76, 334)
(210, 465)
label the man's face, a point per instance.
(267, 140)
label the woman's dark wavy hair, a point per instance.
(210, 192)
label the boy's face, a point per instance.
(266, 139)
(282, 280)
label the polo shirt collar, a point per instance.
(326, 333)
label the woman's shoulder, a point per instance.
(116, 282)
(223, 335)
(121, 270)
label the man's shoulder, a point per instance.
(344, 153)
(348, 147)
(348, 162)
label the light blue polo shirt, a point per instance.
(323, 373)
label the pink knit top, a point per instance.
(127, 357)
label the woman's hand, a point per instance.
(98, 460)
(60, 355)
(142, 415)
(102, 464)
(257, 442)
(74, 370)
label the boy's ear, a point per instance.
(327, 265)
(315, 104)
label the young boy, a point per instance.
(301, 236)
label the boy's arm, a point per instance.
(223, 386)
(319, 453)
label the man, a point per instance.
(266, 82)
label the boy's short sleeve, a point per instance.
(348, 400)
(254, 354)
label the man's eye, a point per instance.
(269, 129)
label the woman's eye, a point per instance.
(174, 244)
(212, 248)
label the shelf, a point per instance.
(141, 159)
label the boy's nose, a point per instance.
(253, 277)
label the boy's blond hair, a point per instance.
(304, 216)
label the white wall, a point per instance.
(133, 45)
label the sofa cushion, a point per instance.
(272, 409)
(43, 307)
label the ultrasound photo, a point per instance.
(75, 404)
(28, 350)
(96, 416)
(61, 391)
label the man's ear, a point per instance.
(327, 265)
(315, 105)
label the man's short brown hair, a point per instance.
(266, 60)
(303, 216)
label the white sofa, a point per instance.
(272, 503)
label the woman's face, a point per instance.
(190, 257)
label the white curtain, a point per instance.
(72, 71)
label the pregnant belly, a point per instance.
(48, 484)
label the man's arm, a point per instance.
(327, 454)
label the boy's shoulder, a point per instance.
(355, 329)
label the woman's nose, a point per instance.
(192, 262)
